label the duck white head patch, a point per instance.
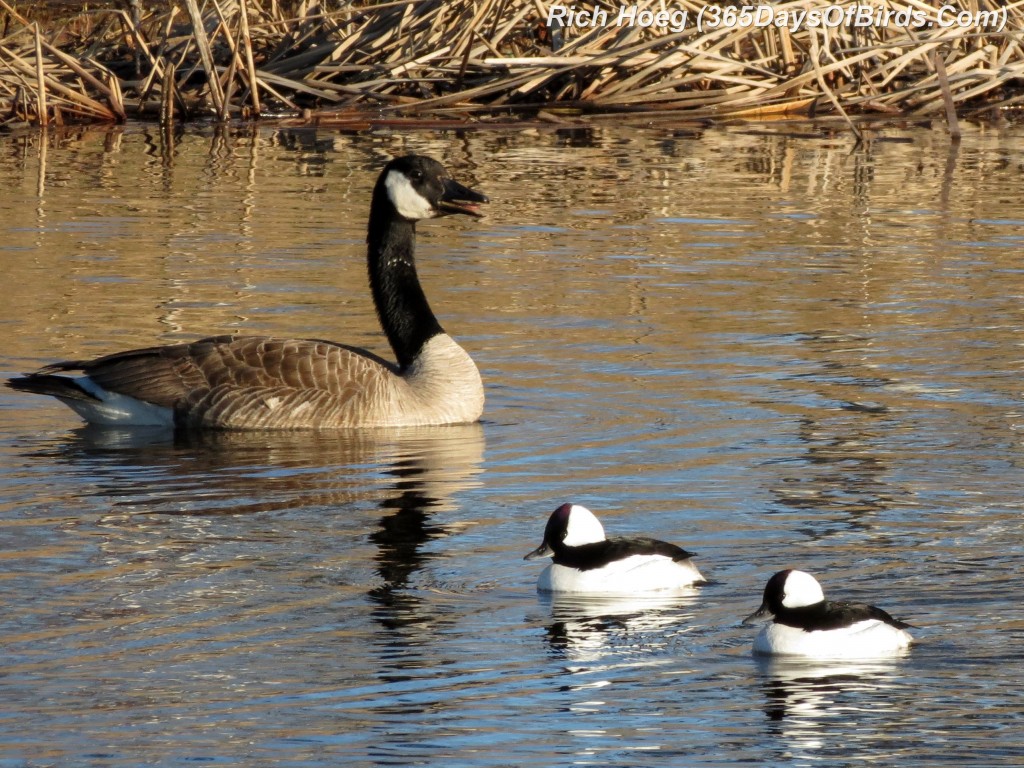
(583, 527)
(409, 203)
(802, 589)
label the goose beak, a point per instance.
(459, 199)
(764, 612)
(542, 551)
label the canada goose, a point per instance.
(253, 382)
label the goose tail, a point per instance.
(61, 387)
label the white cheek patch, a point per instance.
(802, 590)
(584, 528)
(409, 203)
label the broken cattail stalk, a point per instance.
(40, 79)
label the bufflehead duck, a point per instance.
(584, 561)
(805, 624)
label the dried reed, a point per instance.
(477, 59)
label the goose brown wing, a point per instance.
(177, 375)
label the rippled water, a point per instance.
(766, 344)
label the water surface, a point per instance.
(776, 350)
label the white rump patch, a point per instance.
(118, 410)
(409, 203)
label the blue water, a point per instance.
(776, 352)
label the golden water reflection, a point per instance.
(780, 350)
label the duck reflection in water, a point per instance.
(804, 700)
(587, 628)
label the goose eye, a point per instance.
(416, 175)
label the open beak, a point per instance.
(459, 199)
(542, 551)
(764, 612)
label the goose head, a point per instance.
(417, 187)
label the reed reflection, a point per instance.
(843, 470)
(846, 464)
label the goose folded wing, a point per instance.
(172, 375)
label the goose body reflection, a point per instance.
(585, 561)
(805, 624)
(227, 382)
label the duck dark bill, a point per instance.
(542, 551)
(764, 612)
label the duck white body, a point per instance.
(865, 639)
(804, 624)
(639, 573)
(239, 382)
(586, 562)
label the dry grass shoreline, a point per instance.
(482, 61)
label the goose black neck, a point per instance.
(401, 305)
